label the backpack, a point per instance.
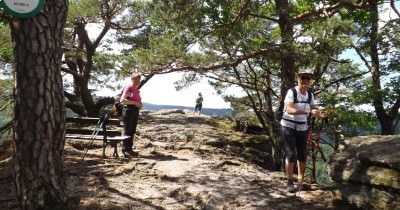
(295, 100)
(279, 113)
(199, 100)
(118, 107)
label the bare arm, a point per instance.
(125, 101)
(290, 109)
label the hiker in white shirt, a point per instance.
(299, 106)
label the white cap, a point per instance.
(305, 72)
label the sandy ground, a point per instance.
(180, 165)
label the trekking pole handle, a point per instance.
(312, 122)
(324, 121)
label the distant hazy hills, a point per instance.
(207, 111)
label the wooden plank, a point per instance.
(90, 131)
(98, 137)
(92, 120)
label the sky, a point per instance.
(160, 89)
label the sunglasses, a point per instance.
(305, 78)
(135, 78)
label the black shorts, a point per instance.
(295, 143)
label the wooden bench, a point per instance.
(95, 129)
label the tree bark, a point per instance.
(288, 69)
(39, 127)
(385, 120)
(82, 70)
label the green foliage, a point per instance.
(349, 112)
(140, 40)
(301, 6)
(225, 29)
(392, 89)
(162, 50)
(6, 96)
(105, 62)
(327, 39)
(353, 122)
(361, 16)
(321, 174)
(5, 135)
(391, 58)
(241, 109)
(88, 9)
(166, 49)
(6, 51)
(224, 124)
(377, 43)
(167, 15)
(6, 105)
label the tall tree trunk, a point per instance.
(86, 96)
(272, 119)
(288, 68)
(273, 129)
(39, 128)
(385, 119)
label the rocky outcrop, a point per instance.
(367, 171)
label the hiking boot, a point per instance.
(126, 153)
(132, 153)
(290, 187)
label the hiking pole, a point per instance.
(300, 176)
(92, 137)
(315, 150)
(103, 126)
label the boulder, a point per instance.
(367, 171)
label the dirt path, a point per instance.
(183, 163)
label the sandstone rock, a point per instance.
(367, 171)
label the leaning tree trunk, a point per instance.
(39, 108)
(385, 120)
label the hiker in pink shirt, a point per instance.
(132, 104)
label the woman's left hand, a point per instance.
(319, 114)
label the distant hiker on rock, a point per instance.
(132, 102)
(199, 104)
(299, 105)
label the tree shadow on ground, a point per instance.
(88, 180)
(162, 157)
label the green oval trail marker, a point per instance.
(22, 8)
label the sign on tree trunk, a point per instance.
(22, 8)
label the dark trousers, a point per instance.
(198, 107)
(130, 117)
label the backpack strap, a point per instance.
(294, 95)
(309, 96)
(295, 100)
